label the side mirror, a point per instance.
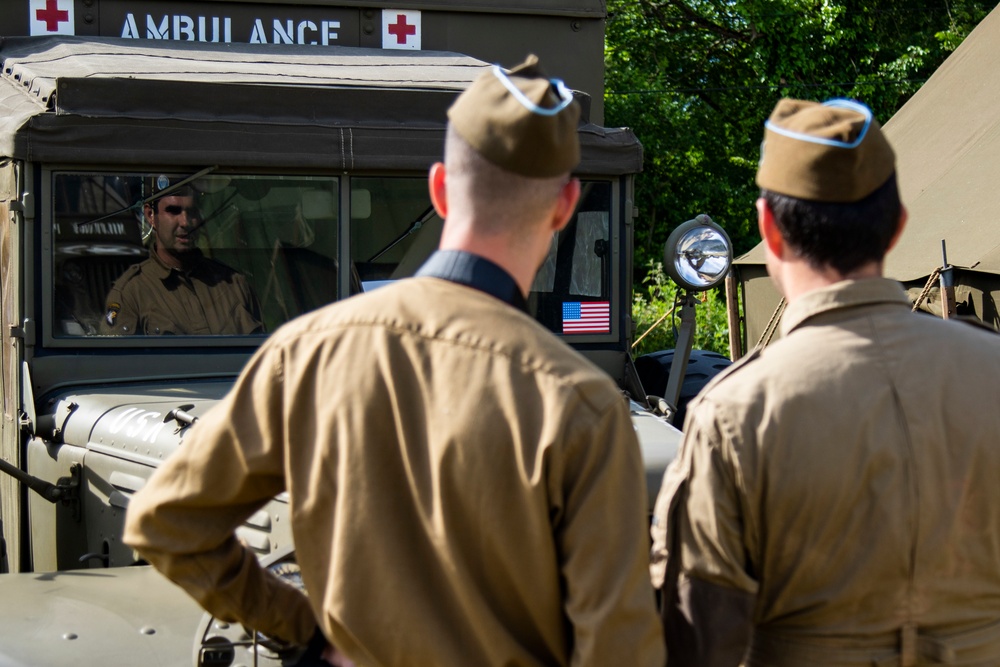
(698, 254)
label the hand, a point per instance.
(320, 652)
(334, 657)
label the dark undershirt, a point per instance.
(476, 272)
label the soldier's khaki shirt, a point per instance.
(209, 298)
(464, 489)
(848, 476)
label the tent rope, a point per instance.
(927, 288)
(772, 325)
(655, 324)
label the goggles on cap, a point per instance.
(565, 95)
(838, 104)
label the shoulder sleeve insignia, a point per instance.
(112, 314)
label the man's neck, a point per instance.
(520, 262)
(798, 277)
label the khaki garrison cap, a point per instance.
(520, 121)
(829, 152)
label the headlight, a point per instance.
(698, 254)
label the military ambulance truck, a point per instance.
(305, 131)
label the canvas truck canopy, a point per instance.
(110, 100)
(582, 8)
(568, 35)
(947, 143)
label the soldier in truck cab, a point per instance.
(178, 290)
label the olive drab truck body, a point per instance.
(306, 130)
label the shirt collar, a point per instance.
(162, 271)
(845, 294)
(473, 271)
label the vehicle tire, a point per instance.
(703, 365)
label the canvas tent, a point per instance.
(947, 142)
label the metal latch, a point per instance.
(181, 416)
(25, 203)
(59, 422)
(24, 422)
(25, 332)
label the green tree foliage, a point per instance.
(695, 79)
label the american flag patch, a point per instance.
(586, 317)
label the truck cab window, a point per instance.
(394, 229)
(159, 254)
(572, 293)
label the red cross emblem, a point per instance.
(51, 15)
(401, 29)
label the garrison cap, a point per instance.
(520, 121)
(827, 152)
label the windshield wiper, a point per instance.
(414, 226)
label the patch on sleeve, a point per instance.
(112, 314)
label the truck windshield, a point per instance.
(239, 255)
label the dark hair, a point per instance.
(843, 236)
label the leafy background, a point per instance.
(696, 79)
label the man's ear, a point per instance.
(147, 210)
(769, 228)
(436, 183)
(566, 203)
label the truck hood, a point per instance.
(133, 615)
(146, 423)
(143, 422)
(116, 616)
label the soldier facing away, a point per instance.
(465, 489)
(835, 499)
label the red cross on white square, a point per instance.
(51, 17)
(401, 29)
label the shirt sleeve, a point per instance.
(700, 520)
(603, 545)
(252, 304)
(710, 521)
(183, 520)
